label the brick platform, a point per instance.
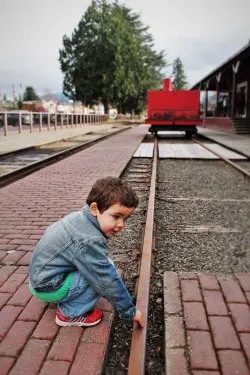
(15, 141)
(31, 342)
(207, 324)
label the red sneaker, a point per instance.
(91, 318)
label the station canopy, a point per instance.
(225, 69)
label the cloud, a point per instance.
(200, 56)
(203, 34)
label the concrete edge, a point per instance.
(108, 343)
(67, 139)
(210, 138)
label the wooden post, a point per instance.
(218, 77)
(5, 123)
(206, 98)
(40, 121)
(233, 105)
(55, 121)
(229, 96)
(31, 122)
(19, 122)
(48, 121)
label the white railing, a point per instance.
(40, 121)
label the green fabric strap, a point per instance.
(54, 296)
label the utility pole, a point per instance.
(13, 93)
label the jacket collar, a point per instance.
(92, 219)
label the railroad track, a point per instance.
(200, 139)
(51, 155)
(138, 345)
(137, 355)
(244, 171)
(18, 164)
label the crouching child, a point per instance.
(70, 264)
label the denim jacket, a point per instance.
(76, 242)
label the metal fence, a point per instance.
(39, 121)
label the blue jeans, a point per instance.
(80, 298)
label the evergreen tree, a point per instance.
(147, 66)
(179, 77)
(30, 94)
(110, 57)
(19, 103)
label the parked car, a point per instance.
(36, 117)
(1, 119)
(12, 118)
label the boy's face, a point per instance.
(113, 219)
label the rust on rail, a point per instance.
(138, 345)
(244, 171)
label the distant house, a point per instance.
(34, 105)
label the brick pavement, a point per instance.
(207, 323)
(15, 141)
(31, 342)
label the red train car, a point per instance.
(173, 109)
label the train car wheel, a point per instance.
(189, 134)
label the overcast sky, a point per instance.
(202, 32)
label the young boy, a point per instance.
(70, 264)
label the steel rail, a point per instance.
(244, 171)
(205, 137)
(138, 345)
(17, 174)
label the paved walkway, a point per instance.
(236, 142)
(217, 318)
(31, 342)
(15, 141)
(207, 324)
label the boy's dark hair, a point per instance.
(111, 190)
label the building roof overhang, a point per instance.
(242, 54)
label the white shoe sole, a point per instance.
(76, 324)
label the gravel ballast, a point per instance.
(202, 224)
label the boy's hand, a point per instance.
(138, 318)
